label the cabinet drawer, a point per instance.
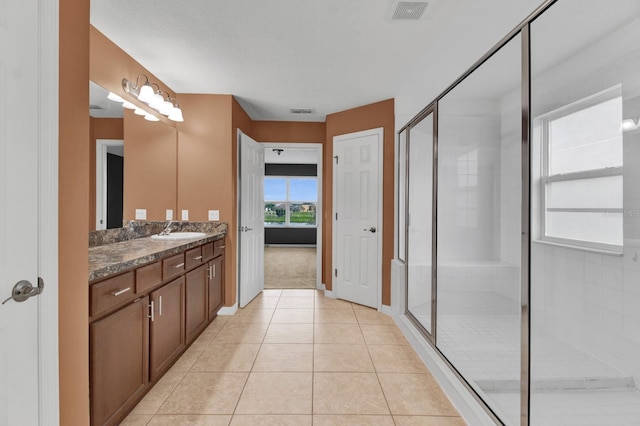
(112, 292)
(207, 252)
(172, 266)
(218, 247)
(148, 276)
(193, 257)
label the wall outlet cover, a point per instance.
(214, 214)
(141, 214)
(185, 214)
(169, 214)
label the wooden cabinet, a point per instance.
(142, 320)
(166, 327)
(196, 302)
(216, 286)
(119, 371)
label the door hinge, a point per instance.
(335, 272)
(336, 157)
(336, 216)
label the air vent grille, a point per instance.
(301, 110)
(410, 9)
(92, 106)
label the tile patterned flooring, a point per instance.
(295, 357)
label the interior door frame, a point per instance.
(319, 154)
(379, 131)
(48, 104)
(102, 146)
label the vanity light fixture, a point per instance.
(630, 124)
(144, 91)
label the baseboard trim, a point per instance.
(228, 310)
(388, 310)
(329, 294)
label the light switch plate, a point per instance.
(214, 214)
(169, 215)
(141, 214)
(185, 214)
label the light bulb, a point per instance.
(166, 108)
(128, 105)
(151, 117)
(139, 111)
(113, 97)
(146, 93)
(157, 101)
(176, 114)
(628, 124)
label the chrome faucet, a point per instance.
(167, 228)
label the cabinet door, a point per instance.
(119, 354)
(167, 326)
(216, 286)
(196, 294)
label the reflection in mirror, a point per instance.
(107, 160)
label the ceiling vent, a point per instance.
(301, 110)
(95, 107)
(409, 9)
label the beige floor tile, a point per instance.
(298, 293)
(356, 306)
(263, 303)
(383, 335)
(270, 293)
(323, 302)
(415, 394)
(335, 316)
(346, 358)
(338, 333)
(205, 393)
(271, 420)
(189, 420)
(428, 421)
(184, 363)
(199, 345)
(276, 393)
(352, 420)
(227, 357)
(251, 315)
(292, 316)
(296, 302)
(348, 393)
(214, 328)
(285, 357)
(241, 333)
(153, 399)
(171, 378)
(396, 359)
(289, 333)
(371, 316)
(136, 420)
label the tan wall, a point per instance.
(73, 203)
(380, 114)
(289, 131)
(150, 168)
(205, 172)
(99, 128)
(109, 65)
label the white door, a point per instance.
(251, 223)
(24, 129)
(104, 147)
(357, 205)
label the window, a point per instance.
(290, 201)
(582, 172)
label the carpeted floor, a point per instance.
(289, 267)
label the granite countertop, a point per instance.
(110, 259)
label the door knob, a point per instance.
(372, 229)
(24, 290)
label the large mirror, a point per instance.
(142, 186)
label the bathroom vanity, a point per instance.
(148, 301)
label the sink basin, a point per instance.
(178, 236)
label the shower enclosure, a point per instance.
(520, 193)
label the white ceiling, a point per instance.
(329, 55)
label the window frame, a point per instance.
(545, 178)
(288, 202)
